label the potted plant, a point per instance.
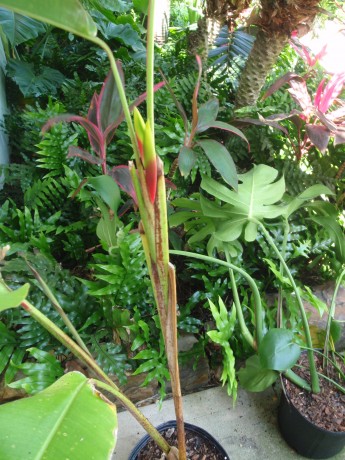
(80, 398)
(259, 204)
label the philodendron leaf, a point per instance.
(277, 350)
(69, 15)
(70, 419)
(309, 194)
(253, 377)
(12, 299)
(221, 160)
(254, 201)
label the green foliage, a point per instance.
(121, 277)
(225, 323)
(60, 418)
(53, 150)
(39, 374)
(110, 356)
(34, 82)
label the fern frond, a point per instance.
(53, 149)
(48, 193)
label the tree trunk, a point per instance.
(4, 149)
(262, 58)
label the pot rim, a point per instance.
(323, 430)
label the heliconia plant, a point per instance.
(148, 180)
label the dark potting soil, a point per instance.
(197, 447)
(325, 409)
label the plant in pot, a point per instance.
(261, 205)
(65, 418)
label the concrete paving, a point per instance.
(247, 431)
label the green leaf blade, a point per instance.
(68, 417)
(65, 14)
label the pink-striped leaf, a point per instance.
(123, 179)
(319, 136)
(74, 151)
(110, 107)
(331, 91)
(279, 83)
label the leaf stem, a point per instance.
(151, 430)
(251, 282)
(315, 384)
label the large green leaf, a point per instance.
(207, 114)
(221, 160)
(335, 232)
(34, 82)
(67, 420)
(18, 28)
(308, 194)
(12, 299)
(253, 377)
(186, 160)
(277, 350)
(254, 200)
(65, 14)
(108, 190)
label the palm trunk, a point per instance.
(262, 58)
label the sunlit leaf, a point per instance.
(69, 418)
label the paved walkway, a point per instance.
(247, 431)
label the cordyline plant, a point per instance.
(148, 180)
(315, 123)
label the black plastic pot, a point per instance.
(191, 428)
(303, 436)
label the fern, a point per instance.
(53, 149)
(49, 194)
(110, 356)
(121, 277)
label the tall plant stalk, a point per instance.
(147, 174)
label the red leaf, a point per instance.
(110, 130)
(74, 151)
(319, 136)
(195, 98)
(110, 107)
(123, 179)
(279, 83)
(94, 134)
(300, 94)
(92, 113)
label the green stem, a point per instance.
(150, 66)
(63, 338)
(315, 384)
(297, 380)
(58, 308)
(151, 430)
(251, 282)
(281, 269)
(331, 316)
(245, 331)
